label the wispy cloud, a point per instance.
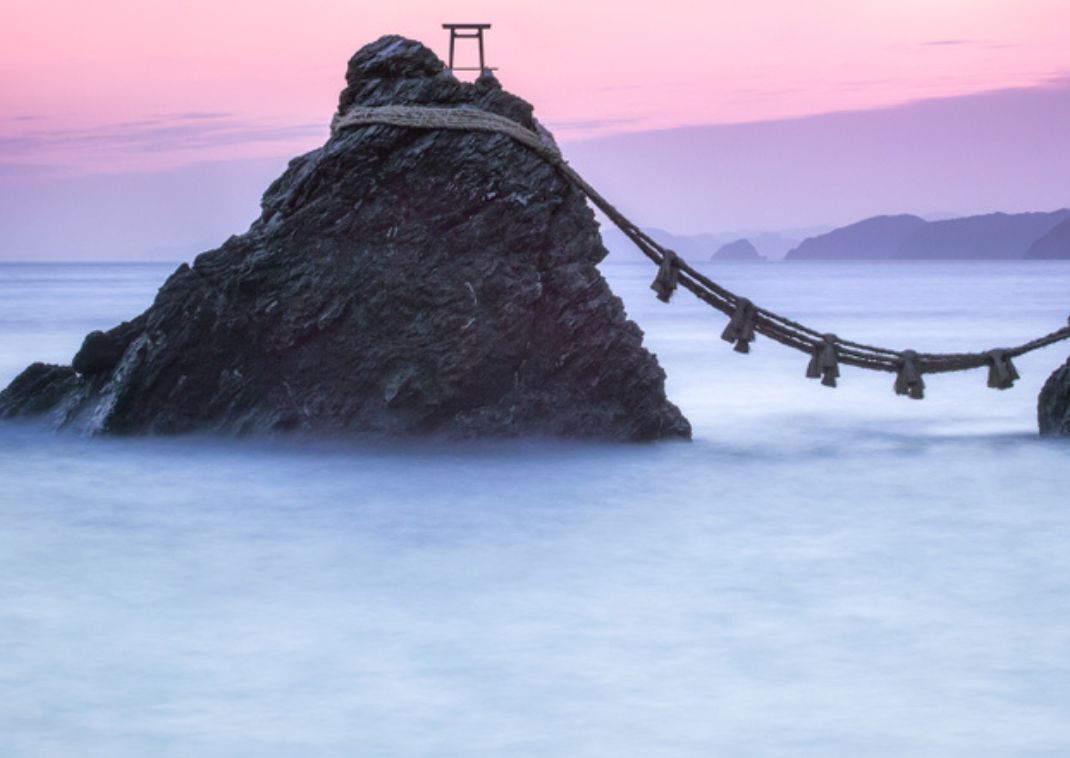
(1057, 81)
(197, 115)
(156, 136)
(980, 43)
(196, 130)
(589, 125)
(25, 170)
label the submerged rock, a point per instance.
(1053, 405)
(397, 281)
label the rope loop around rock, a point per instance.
(747, 320)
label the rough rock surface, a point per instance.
(397, 281)
(1053, 405)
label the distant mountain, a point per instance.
(771, 245)
(993, 236)
(691, 247)
(1054, 244)
(877, 238)
(738, 251)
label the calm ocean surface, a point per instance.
(820, 573)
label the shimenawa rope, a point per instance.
(827, 351)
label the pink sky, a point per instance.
(121, 85)
(149, 128)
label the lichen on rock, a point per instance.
(398, 281)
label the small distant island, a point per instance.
(738, 251)
(992, 236)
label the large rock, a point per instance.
(1053, 406)
(397, 281)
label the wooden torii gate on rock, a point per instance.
(467, 31)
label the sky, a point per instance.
(128, 127)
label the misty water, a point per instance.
(820, 573)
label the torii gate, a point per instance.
(467, 31)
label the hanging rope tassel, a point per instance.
(909, 381)
(741, 328)
(665, 282)
(824, 363)
(1001, 372)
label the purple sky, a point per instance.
(1004, 150)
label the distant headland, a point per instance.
(903, 237)
(993, 236)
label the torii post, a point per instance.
(467, 31)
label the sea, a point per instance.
(821, 572)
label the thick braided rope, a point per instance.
(765, 322)
(461, 119)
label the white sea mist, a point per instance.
(820, 573)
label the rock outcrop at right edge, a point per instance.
(1053, 405)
